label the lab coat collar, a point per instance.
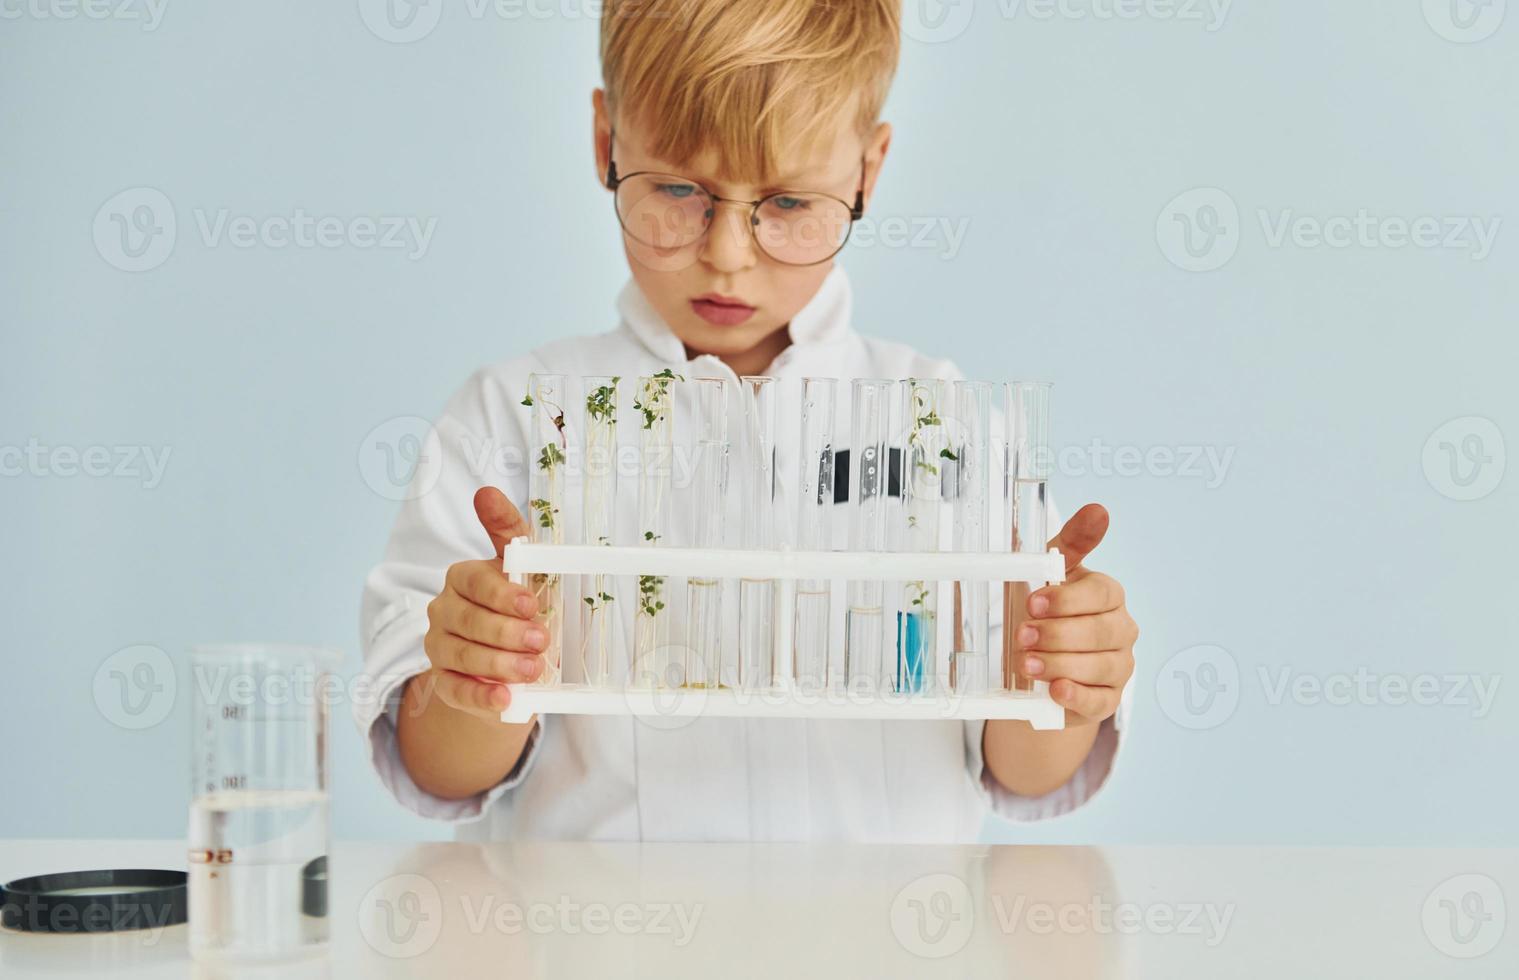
(824, 320)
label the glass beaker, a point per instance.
(258, 830)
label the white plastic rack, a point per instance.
(522, 558)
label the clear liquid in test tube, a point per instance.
(968, 477)
(869, 479)
(1027, 506)
(704, 637)
(548, 444)
(814, 532)
(925, 455)
(654, 413)
(598, 610)
(756, 604)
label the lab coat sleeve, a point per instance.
(478, 441)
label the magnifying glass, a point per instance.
(115, 900)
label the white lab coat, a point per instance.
(617, 778)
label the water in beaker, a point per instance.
(258, 829)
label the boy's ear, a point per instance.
(601, 133)
(875, 155)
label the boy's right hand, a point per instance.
(480, 629)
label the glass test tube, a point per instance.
(704, 637)
(599, 517)
(756, 601)
(654, 410)
(1028, 474)
(814, 533)
(969, 667)
(923, 459)
(869, 465)
(547, 445)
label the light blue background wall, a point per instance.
(1331, 543)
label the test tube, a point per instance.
(1025, 489)
(869, 464)
(704, 637)
(548, 442)
(925, 451)
(756, 601)
(598, 522)
(970, 468)
(656, 444)
(814, 533)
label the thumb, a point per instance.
(1081, 534)
(500, 517)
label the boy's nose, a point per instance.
(729, 245)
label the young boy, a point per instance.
(739, 141)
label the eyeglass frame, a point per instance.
(856, 211)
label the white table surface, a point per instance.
(784, 911)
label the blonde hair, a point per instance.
(747, 79)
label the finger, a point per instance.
(463, 656)
(491, 629)
(1081, 595)
(1076, 634)
(1084, 700)
(1081, 534)
(485, 584)
(467, 694)
(1103, 668)
(500, 518)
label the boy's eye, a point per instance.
(677, 190)
(787, 203)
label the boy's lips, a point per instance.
(722, 311)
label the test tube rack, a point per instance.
(522, 558)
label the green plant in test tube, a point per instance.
(599, 506)
(549, 441)
(656, 442)
(926, 452)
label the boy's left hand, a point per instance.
(1079, 635)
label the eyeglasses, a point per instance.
(665, 211)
